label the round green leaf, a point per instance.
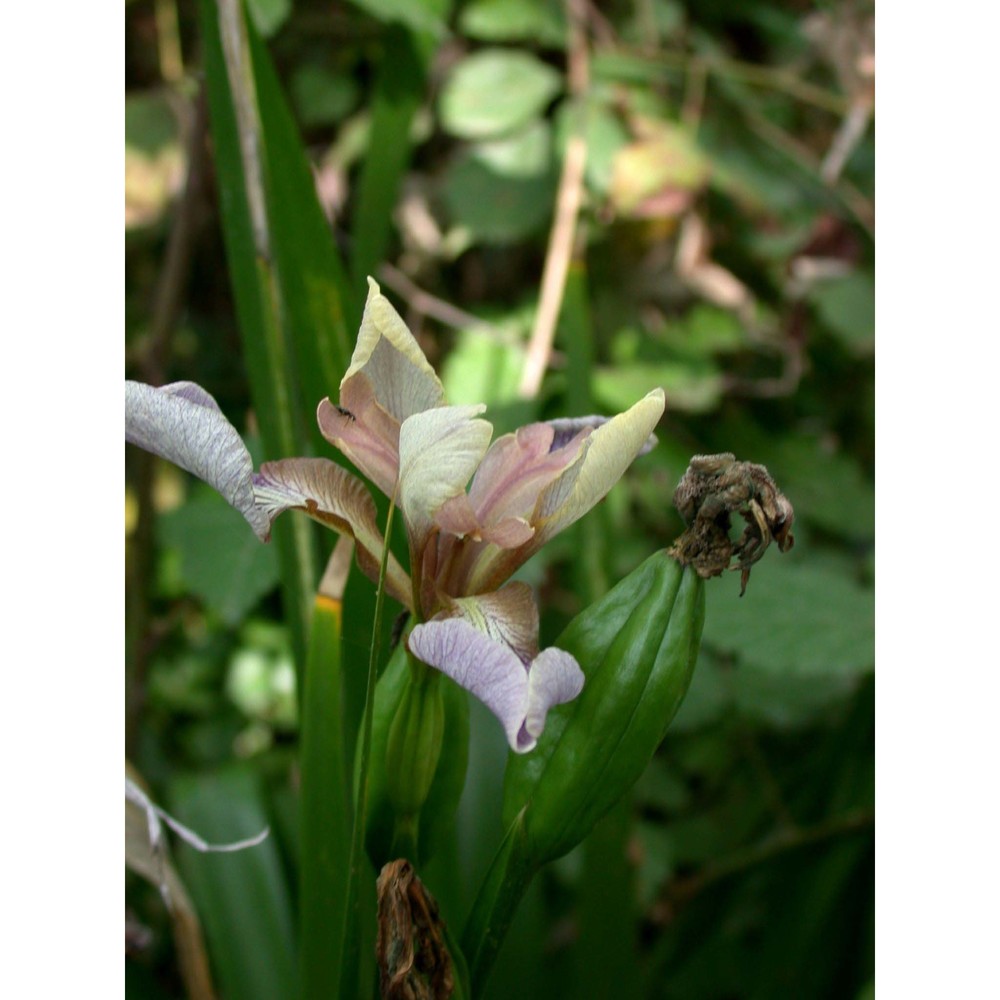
(496, 91)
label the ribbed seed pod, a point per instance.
(637, 647)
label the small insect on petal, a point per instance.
(346, 414)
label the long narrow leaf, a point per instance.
(238, 142)
(325, 829)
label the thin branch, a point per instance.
(568, 200)
(856, 203)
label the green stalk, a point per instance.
(351, 972)
(496, 903)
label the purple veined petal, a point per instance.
(182, 423)
(492, 672)
(489, 670)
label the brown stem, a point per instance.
(568, 200)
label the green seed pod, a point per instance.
(419, 754)
(637, 647)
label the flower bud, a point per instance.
(419, 754)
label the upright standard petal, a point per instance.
(182, 423)
(332, 496)
(585, 458)
(494, 673)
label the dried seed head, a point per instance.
(715, 487)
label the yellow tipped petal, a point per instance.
(605, 456)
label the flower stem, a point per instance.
(496, 903)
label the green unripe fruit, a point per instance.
(637, 647)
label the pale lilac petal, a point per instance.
(182, 423)
(487, 669)
(519, 696)
(554, 678)
(332, 496)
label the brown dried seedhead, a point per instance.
(413, 960)
(713, 489)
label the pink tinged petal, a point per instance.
(183, 424)
(554, 678)
(457, 517)
(516, 469)
(363, 431)
(402, 379)
(492, 672)
(332, 496)
(439, 450)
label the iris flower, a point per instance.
(465, 541)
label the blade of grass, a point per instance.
(242, 897)
(325, 826)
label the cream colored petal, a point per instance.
(439, 450)
(605, 456)
(386, 351)
(332, 496)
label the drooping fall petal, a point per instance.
(182, 423)
(494, 673)
(332, 496)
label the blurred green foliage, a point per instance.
(724, 251)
